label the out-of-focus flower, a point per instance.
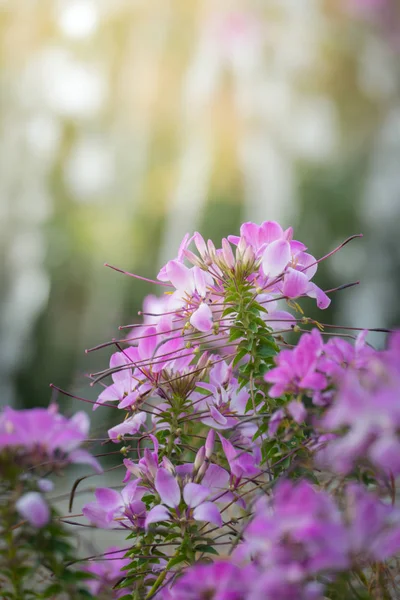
(107, 572)
(112, 507)
(374, 526)
(34, 508)
(365, 413)
(221, 580)
(297, 370)
(40, 435)
(300, 530)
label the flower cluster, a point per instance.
(295, 536)
(254, 467)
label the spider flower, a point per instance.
(39, 435)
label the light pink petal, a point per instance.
(168, 488)
(129, 400)
(208, 512)
(157, 514)
(297, 411)
(307, 264)
(216, 415)
(295, 284)
(199, 281)
(233, 239)
(194, 494)
(131, 492)
(271, 231)
(200, 244)
(250, 231)
(81, 421)
(276, 257)
(108, 499)
(180, 276)
(33, 508)
(118, 359)
(315, 292)
(216, 478)
(201, 319)
(128, 427)
(148, 343)
(110, 394)
(183, 245)
(97, 515)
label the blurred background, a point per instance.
(126, 123)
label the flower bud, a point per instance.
(228, 254)
(209, 445)
(199, 460)
(200, 244)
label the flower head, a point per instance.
(39, 435)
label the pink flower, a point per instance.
(297, 369)
(112, 507)
(130, 426)
(40, 435)
(32, 507)
(107, 572)
(194, 497)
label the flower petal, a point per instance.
(180, 276)
(168, 488)
(201, 319)
(295, 283)
(33, 508)
(276, 257)
(315, 292)
(157, 513)
(208, 512)
(194, 494)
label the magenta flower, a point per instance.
(108, 573)
(123, 387)
(374, 529)
(297, 369)
(194, 496)
(286, 267)
(301, 528)
(220, 580)
(112, 507)
(130, 426)
(224, 399)
(241, 463)
(339, 356)
(32, 507)
(41, 435)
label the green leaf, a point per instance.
(206, 548)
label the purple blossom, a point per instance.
(194, 496)
(32, 507)
(374, 526)
(300, 530)
(130, 426)
(41, 435)
(107, 572)
(366, 414)
(297, 369)
(112, 507)
(220, 580)
(241, 463)
(224, 399)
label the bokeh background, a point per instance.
(126, 123)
